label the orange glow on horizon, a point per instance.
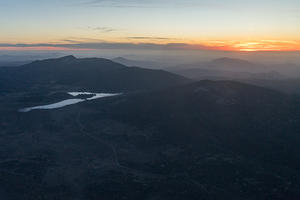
(212, 45)
(260, 45)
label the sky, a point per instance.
(216, 25)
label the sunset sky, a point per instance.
(238, 25)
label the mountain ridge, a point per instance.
(89, 73)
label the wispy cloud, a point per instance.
(78, 40)
(102, 29)
(106, 45)
(147, 38)
(146, 3)
(115, 3)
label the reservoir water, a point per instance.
(68, 102)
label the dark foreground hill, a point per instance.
(94, 74)
(239, 117)
(206, 140)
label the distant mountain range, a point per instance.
(7, 60)
(95, 74)
(144, 64)
(13, 63)
(284, 78)
(218, 74)
(230, 65)
(225, 64)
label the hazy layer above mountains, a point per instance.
(285, 63)
(162, 57)
(239, 65)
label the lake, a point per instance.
(68, 102)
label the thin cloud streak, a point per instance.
(148, 38)
(149, 3)
(102, 29)
(106, 45)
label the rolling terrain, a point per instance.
(207, 140)
(284, 77)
